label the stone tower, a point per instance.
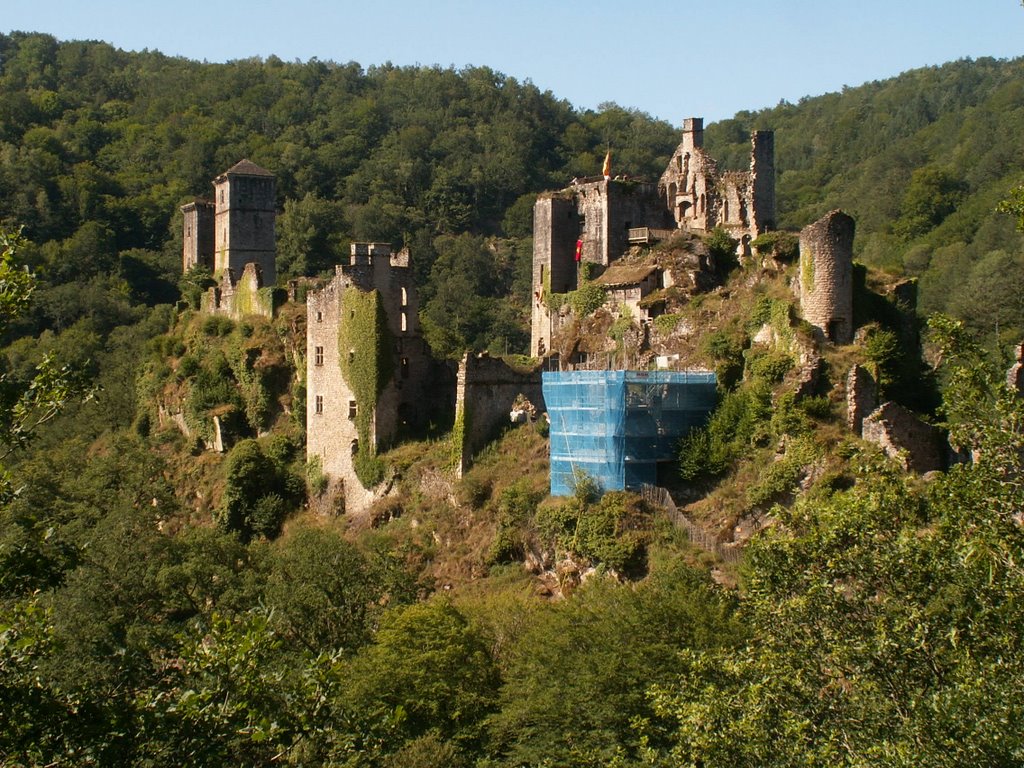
(406, 397)
(198, 218)
(826, 276)
(245, 210)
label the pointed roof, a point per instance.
(246, 168)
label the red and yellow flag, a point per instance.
(606, 171)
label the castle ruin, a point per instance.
(582, 230)
(826, 276)
(234, 238)
(368, 368)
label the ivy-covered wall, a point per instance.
(364, 357)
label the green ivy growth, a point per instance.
(612, 530)
(666, 324)
(364, 354)
(458, 436)
(587, 298)
(807, 272)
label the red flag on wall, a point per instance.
(579, 249)
(606, 170)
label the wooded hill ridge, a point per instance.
(163, 605)
(99, 147)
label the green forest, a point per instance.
(162, 604)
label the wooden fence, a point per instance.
(698, 535)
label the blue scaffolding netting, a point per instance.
(615, 426)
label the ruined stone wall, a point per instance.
(555, 230)
(197, 235)
(408, 399)
(689, 187)
(762, 182)
(487, 387)
(245, 296)
(826, 276)
(861, 397)
(629, 204)
(918, 446)
(700, 197)
(733, 204)
(245, 223)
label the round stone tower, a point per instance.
(826, 276)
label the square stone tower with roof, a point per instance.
(246, 209)
(234, 237)
(237, 227)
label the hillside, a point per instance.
(166, 603)
(920, 161)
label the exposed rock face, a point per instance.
(861, 396)
(826, 276)
(1015, 376)
(904, 437)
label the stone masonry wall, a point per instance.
(555, 229)
(238, 298)
(826, 276)
(903, 436)
(408, 399)
(861, 396)
(487, 387)
(197, 235)
(246, 210)
(762, 181)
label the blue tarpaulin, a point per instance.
(616, 426)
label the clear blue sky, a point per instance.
(670, 58)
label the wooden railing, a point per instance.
(648, 234)
(699, 536)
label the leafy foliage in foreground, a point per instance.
(886, 619)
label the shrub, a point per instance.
(586, 299)
(741, 419)
(257, 492)
(516, 507)
(784, 246)
(771, 366)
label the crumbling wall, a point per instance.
(689, 182)
(918, 446)
(238, 298)
(487, 387)
(251, 297)
(861, 397)
(197, 235)
(826, 276)
(762, 182)
(700, 197)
